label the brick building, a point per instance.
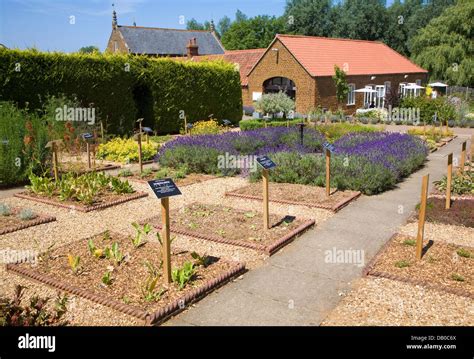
(303, 66)
(162, 42)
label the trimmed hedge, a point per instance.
(124, 87)
(246, 125)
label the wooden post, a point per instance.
(185, 126)
(140, 162)
(88, 149)
(102, 132)
(463, 155)
(165, 220)
(447, 128)
(421, 217)
(328, 173)
(55, 161)
(424, 129)
(266, 216)
(94, 145)
(449, 180)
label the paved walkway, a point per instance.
(297, 286)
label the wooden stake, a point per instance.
(266, 216)
(328, 173)
(447, 128)
(140, 162)
(55, 161)
(165, 220)
(94, 149)
(88, 149)
(422, 216)
(463, 155)
(185, 126)
(102, 132)
(450, 178)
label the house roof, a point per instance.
(245, 58)
(318, 55)
(158, 41)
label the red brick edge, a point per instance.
(368, 271)
(153, 318)
(269, 249)
(85, 209)
(337, 207)
(40, 220)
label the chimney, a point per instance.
(192, 48)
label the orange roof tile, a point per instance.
(318, 55)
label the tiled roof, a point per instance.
(318, 55)
(245, 58)
(157, 41)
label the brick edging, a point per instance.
(334, 208)
(80, 208)
(368, 271)
(153, 318)
(268, 249)
(40, 220)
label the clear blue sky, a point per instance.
(45, 24)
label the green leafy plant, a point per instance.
(402, 264)
(125, 173)
(116, 254)
(121, 187)
(41, 185)
(182, 276)
(5, 210)
(75, 264)
(457, 277)
(36, 313)
(107, 278)
(462, 183)
(409, 242)
(140, 232)
(464, 253)
(201, 260)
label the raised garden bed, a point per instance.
(19, 219)
(85, 193)
(461, 212)
(287, 193)
(81, 167)
(444, 267)
(235, 227)
(150, 174)
(128, 287)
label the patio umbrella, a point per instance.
(437, 84)
(366, 90)
(413, 87)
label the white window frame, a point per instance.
(417, 92)
(401, 89)
(380, 96)
(351, 95)
(368, 96)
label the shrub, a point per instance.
(462, 183)
(125, 150)
(428, 107)
(274, 103)
(210, 127)
(247, 125)
(23, 139)
(335, 131)
(125, 87)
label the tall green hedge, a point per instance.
(123, 88)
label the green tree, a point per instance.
(274, 103)
(223, 25)
(445, 47)
(256, 32)
(340, 82)
(309, 17)
(360, 19)
(193, 24)
(88, 49)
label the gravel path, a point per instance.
(72, 225)
(384, 302)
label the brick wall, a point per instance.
(122, 46)
(286, 66)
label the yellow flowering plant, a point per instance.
(125, 150)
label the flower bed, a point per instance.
(15, 219)
(110, 269)
(366, 162)
(234, 227)
(180, 177)
(84, 193)
(461, 212)
(126, 150)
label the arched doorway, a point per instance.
(277, 84)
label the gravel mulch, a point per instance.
(461, 212)
(310, 196)
(385, 302)
(72, 225)
(13, 222)
(458, 235)
(445, 266)
(232, 226)
(190, 179)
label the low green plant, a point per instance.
(409, 242)
(41, 185)
(183, 275)
(201, 260)
(149, 292)
(140, 231)
(121, 187)
(146, 172)
(462, 183)
(107, 278)
(115, 254)
(5, 210)
(457, 277)
(402, 264)
(464, 253)
(75, 264)
(36, 313)
(125, 173)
